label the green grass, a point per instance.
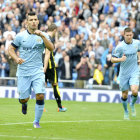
(82, 121)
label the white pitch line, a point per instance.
(16, 136)
(34, 137)
(79, 121)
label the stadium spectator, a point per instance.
(8, 41)
(66, 71)
(61, 62)
(90, 24)
(73, 30)
(83, 71)
(2, 49)
(74, 52)
(86, 11)
(134, 28)
(13, 68)
(107, 65)
(4, 69)
(105, 42)
(9, 31)
(98, 49)
(82, 29)
(1, 38)
(62, 7)
(71, 16)
(93, 63)
(16, 27)
(98, 77)
(58, 55)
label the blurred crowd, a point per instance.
(88, 32)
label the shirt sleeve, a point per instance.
(16, 41)
(46, 35)
(117, 52)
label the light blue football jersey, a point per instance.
(30, 48)
(130, 65)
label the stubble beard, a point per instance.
(32, 29)
(129, 41)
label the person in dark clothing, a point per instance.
(83, 71)
(66, 70)
(50, 69)
(75, 54)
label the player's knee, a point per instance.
(135, 92)
(40, 97)
(125, 95)
(23, 101)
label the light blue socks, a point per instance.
(125, 102)
(133, 99)
(39, 110)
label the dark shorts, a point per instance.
(51, 76)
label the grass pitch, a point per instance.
(82, 121)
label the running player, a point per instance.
(31, 44)
(126, 54)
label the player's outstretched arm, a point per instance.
(117, 60)
(12, 53)
(48, 44)
(46, 59)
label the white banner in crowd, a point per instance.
(110, 96)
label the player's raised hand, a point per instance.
(38, 32)
(123, 58)
(20, 61)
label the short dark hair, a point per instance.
(127, 30)
(31, 14)
(52, 27)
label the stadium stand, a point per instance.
(86, 28)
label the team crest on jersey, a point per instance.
(136, 47)
(39, 40)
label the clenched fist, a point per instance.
(20, 61)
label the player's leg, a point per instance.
(47, 74)
(52, 77)
(134, 96)
(38, 84)
(58, 98)
(39, 106)
(24, 105)
(124, 86)
(124, 103)
(24, 90)
(56, 91)
(134, 85)
(57, 94)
